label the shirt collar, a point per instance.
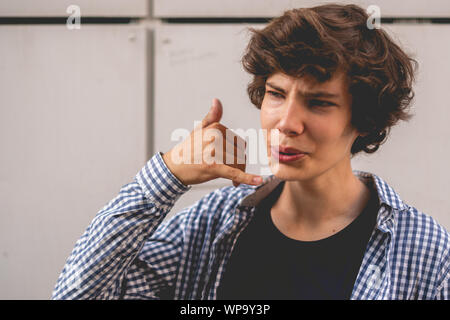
(386, 194)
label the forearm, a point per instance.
(117, 233)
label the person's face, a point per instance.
(318, 125)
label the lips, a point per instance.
(285, 157)
(289, 150)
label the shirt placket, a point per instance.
(222, 248)
(373, 280)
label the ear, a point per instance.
(363, 134)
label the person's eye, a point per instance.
(320, 103)
(275, 94)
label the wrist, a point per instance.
(171, 166)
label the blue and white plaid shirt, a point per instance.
(129, 252)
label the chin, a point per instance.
(288, 173)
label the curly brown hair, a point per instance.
(321, 40)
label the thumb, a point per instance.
(214, 114)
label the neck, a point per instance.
(334, 195)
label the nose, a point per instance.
(291, 121)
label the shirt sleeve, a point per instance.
(109, 248)
(443, 289)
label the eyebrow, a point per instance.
(310, 94)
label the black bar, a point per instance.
(267, 19)
(63, 20)
(216, 20)
(194, 20)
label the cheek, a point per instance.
(269, 117)
(268, 123)
(322, 131)
(329, 135)
(327, 138)
(270, 112)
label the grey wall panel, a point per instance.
(73, 130)
(271, 8)
(88, 8)
(195, 63)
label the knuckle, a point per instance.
(215, 125)
(209, 166)
(234, 175)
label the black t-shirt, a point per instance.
(266, 264)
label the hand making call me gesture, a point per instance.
(201, 146)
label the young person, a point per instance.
(332, 88)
